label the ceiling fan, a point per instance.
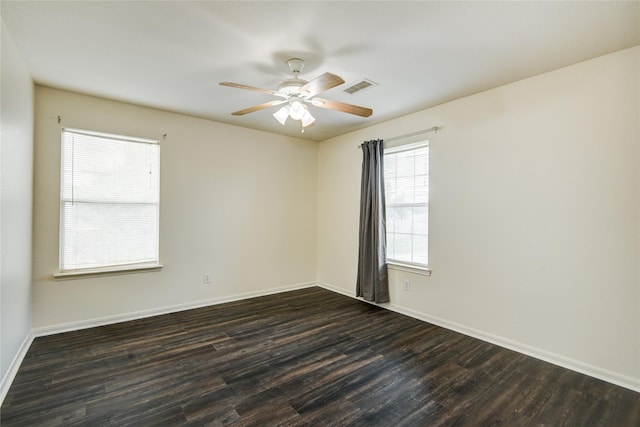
(296, 93)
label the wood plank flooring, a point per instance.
(303, 358)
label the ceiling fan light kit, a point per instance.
(296, 92)
(296, 111)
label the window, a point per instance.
(406, 180)
(109, 202)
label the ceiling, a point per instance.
(171, 55)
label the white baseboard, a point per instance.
(341, 291)
(108, 320)
(14, 366)
(556, 359)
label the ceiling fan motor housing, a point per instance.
(291, 86)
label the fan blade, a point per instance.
(257, 89)
(341, 106)
(257, 107)
(320, 84)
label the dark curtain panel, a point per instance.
(373, 282)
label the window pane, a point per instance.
(391, 219)
(405, 189)
(421, 189)
(391, 245)
(97, 235)
(407, 199)
(403, 247)
(419, 249)
(405, 163)
(422, 161)
(99, 169)
(403, 220)
(389, 167)
(420, 220)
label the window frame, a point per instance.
(407, 266)
(110, 269)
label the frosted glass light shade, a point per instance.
(307, 118)
(282, 114)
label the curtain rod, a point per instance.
(431, 129)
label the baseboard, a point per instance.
(108, 320)
(341, 291)
(14, 366)
(556, 359)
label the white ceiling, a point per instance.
(171, 55)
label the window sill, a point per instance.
(424, 271)
(108, 271)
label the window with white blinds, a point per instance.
(109, 201)
(406, 181)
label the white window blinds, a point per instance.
(406, 180)
(109, 201)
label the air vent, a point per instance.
(360, 86)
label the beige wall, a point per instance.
(534, 216)
(16, 171)
(237, 203)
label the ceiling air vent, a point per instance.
(360, 86)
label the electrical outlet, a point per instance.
(407, 285)
(206, 278)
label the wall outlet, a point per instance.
(206, 278)
(407, 285)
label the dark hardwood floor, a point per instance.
(303, 358)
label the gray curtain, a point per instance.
(373, 282)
